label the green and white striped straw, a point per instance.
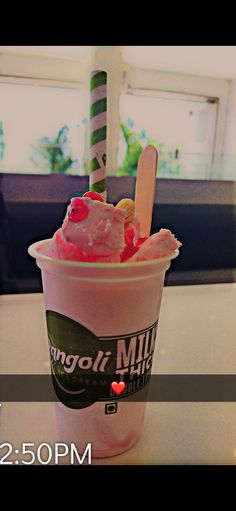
(98, 132)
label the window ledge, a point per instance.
(60, 188)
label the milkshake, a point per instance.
(102, 284)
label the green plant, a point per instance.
(53, 153)
(135, 142)
(133, 149)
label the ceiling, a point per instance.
(68, 52)
(211, 61)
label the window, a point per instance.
(42, 128)
(183, 126)
(158, 94)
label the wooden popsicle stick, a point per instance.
(145, 188)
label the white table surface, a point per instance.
(196, 335)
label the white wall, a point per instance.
(230, 128)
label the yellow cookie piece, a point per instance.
(129, 206)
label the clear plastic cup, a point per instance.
(102, 320)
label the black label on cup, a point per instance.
(84, 365)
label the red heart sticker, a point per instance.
(118, 387)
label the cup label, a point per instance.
(84, 365)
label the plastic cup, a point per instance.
(102, 320)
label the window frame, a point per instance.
(216, 88)
(34, 71)
(39, 68)
(62, 72)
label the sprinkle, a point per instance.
(78, 211)
(94, 196)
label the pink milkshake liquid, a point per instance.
(102, 318)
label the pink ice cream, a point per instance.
(95, 231)
(160, 244)
(92, 231)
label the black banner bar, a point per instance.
(161, 388)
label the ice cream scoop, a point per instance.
(95, 231)
(160, 244)
(92, 231)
